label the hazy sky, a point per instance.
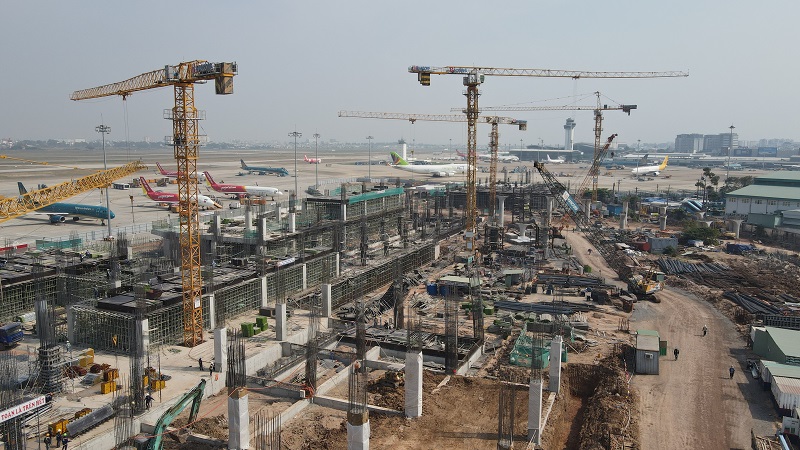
(300, 62)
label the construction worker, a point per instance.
(148, 401)
(705, 330)
(58, 438)
(676, 352)
(731, 371)
(200, 362)
(64, 443)
(47, 440)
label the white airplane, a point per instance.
(651, 170)
(436, 170)
(559, 160)
(502, 157)
(239, 191)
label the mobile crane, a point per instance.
(641, 285)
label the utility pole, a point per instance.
(369, 161)
(103, 129)
(316, 155)
(730, 150)
(295, 134)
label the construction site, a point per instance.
(380, 313)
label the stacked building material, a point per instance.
(672, 266)
(752, 304)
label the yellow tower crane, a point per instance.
(494, 136)
(13, 207)
(185, 141)
(472, 77)
(599, 151)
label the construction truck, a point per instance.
(643, 285)
(10, 334)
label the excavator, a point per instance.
(194, 396)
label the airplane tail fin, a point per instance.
(305, 158)
(22, 190)
(160, 169)
(244, 166)
(398, 160)
(145, 185)
(209, 180)
(663, 165)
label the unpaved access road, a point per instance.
(693, 402)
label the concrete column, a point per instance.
(305, 277)
(535, 411)
(555, 364)
(238, 420)
(358, 435)
(280, 322)
(217, 224)
(220, 350)
(292, 225)
(700, 215)
(501, 209)
(70, 324)
(248, 219)
(623, 218)
(344, 212)
(212, 311)
(338, 269)
(437, 251)
(278, 212)
(326, 300)
(262, 228)
(662, 218)
(587, 208)
(413, 384)
(737, 226)
(264, 297)
(549, 206)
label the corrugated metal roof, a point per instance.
(647, 332)
(787, 340)
(783, 175)
(460, 280)
(647, 342)
(764, 191)
(787, 385)
(777, 369)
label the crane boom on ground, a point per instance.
(473, 76)
(13, 207)
(493, 142)
(185, 141)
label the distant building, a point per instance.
(689, 143)
(718, 144)
(777, 344)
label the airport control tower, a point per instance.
(569, 134)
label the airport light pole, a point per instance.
(295, 134)
(369, 158)
(730, 150)
(103, 129)
(316, 155)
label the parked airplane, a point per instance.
(312, 160)
(174, 173)
(559, 160)
(436, 170)
(242, 191)
(488, 157)
(172, 199)
(279, 171)
(651, 170)
(58, 211)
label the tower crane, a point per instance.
(13, 207)
(185, 141)
(472, 77)
(493, 141)
(594, 171)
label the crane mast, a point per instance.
(522, 125)
(185, 142)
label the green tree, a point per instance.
(692, 230)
